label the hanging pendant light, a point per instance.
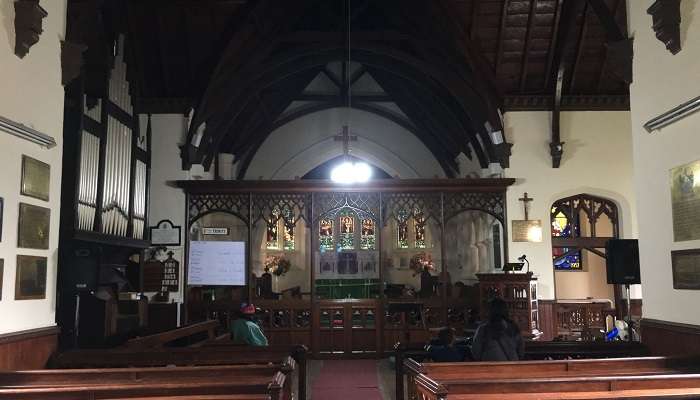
(349, 172)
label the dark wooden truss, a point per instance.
(451, 66)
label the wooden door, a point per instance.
(347, 328)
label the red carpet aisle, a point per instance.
(347, 380)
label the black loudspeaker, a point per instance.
(623, 261)
(82, 272)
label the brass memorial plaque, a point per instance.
(34, 222)
(685, 201)
(527, 230)
(686, 269)
(30, 279)
(36, 177)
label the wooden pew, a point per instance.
(533, 351)
(214, 355)
(161, 339)
(634, 386)
(298, 352)
(269, 386)
(153, 376)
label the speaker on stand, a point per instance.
(622, 262)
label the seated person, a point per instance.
(244, 330)
(445, 349)
(498, 338)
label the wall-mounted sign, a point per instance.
(165, 234)
(685, 202)
(161, 276)
(527, 230)
(215, 231)
(685, 265)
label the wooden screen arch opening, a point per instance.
(581, 225)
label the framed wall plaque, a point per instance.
(2, 208)
(685, 201)
(30, 281)
(686, 269)
(165, 234)
(2, 272)
(34, 223)
(36, 176)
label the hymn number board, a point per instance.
(161, 276)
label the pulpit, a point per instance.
(519, 291)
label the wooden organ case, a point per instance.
(106, 163)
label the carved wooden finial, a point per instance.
(666, 17)
(28, 17)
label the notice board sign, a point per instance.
(216, 263)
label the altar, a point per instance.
(326, 262)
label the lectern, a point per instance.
(519, 291)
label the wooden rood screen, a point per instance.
(354, 316)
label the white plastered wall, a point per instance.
(299, 146)
(597, 160)
(31, 94)
(661, 82)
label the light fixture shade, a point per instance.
(349, 172)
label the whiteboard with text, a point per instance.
(216, 263)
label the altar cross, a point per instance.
(346, 138)
(526, 200)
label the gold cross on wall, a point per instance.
(346, 138)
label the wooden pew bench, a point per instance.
(203, 356)
(257, 381)
(533, 351)
(583, 386)
(268, 386)
(186, 332)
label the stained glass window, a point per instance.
(560, 224)
(402, 230)
(272, 237)
(367, 238)
(347, 231)
(288, 225)
(564, 261)
(325, 234)
(419, 228)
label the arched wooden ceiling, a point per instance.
(451, 66)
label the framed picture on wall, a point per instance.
(36, 176)
(2, 272)
(2, 208)
(30, 281)
(685, 265)
(34, 223)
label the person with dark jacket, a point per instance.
(445, 349)
(498, 338)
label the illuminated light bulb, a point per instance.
(348, 173)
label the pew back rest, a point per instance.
(161, 339)
(271, 387)
(72, 377)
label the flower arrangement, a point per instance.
(421, 262)
(277, 265)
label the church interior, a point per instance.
(344, 199)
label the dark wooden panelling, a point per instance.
(666, 338)
(28, 349)
(546, 317)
